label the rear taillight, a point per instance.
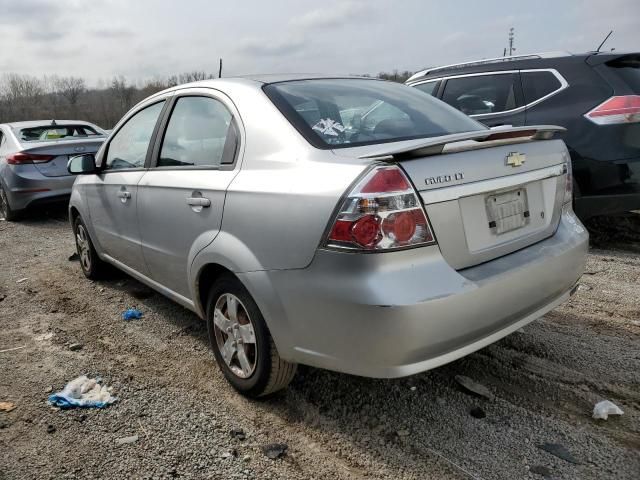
(22, 158)
(382, 212)
(621, 109)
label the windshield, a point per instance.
(335, 113)
(56, 132)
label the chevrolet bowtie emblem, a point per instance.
(516, 159)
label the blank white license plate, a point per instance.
(507, 211)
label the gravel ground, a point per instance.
(546, 380)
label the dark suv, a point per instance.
(595, 96)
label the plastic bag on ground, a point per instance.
(83, 392)
(132, 314)
(603, 409)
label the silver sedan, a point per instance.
(33, 161)
(344, 223)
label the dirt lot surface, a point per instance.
(546, 380)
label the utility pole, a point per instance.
(511, 39)
(220, 69)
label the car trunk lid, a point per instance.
(484, 202)
(61, 151)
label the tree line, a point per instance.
(25, 97)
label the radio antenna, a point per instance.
(605, 39)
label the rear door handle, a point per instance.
(199, 202)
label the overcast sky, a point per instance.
(147, 38)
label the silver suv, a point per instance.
(345, 223)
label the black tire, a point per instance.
(6, 211)
(270, 373)
(91, 265)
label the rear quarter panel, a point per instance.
(278, 216)
(278, 206)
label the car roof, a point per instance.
(534, 60)
(49, 123)
(257, 80)
(288, 77)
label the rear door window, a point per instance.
(482, 94)
(428, 87)
(537, 85)
(200, 133)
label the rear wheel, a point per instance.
(92, 267)
(6, 211)
(241, 342)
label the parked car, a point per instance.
(33, 161)
(595, 96)
(303, 232)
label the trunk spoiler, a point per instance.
(457, 142)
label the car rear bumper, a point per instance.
(400, 313)
(26, 186)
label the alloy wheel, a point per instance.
(235, 335)
(84, 249)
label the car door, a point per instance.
(181, 197)
(112, 197)
(494, 99)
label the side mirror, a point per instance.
(82, 164)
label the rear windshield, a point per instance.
(335, 113)
(629, 69)
(49, 132)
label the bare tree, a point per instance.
(122, 91)
(396, 76)
(194, 76)
(71, 88)
(52, 99)
(21, 94)
(173, 81)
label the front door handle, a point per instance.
(199, 202)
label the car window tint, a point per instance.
(538, 84)
(481, 94)
(334, 113)
(196, 133)
(428, 87)
(128, 148)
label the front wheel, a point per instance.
(241, 342)
(92, 267)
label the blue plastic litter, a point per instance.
(82, 392)
(131, 314)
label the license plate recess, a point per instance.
(507, 211)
